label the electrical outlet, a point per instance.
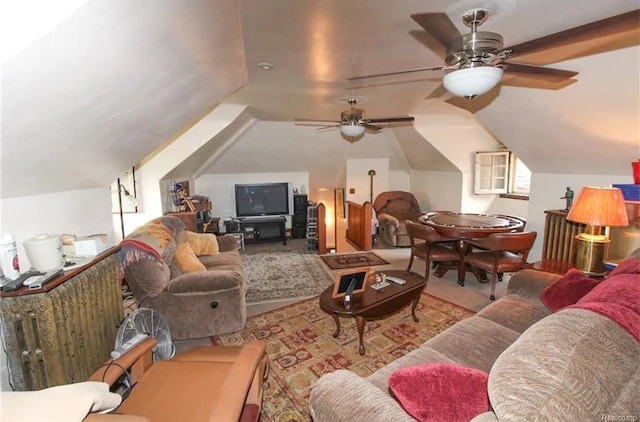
(352, 191)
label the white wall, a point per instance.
(151, 173)
(399, 180)
(359, 181)
(81, 212)
(437, 190)
(220, 189)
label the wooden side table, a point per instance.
(554, 266)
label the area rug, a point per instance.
(352, 260)
(272, 276)
(301, 347)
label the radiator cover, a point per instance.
(63, 335)
(559, 236)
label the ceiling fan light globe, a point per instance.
(472, 81)
(351, 130)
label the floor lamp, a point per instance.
(129, 199)
(598, 208)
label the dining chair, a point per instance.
(502, 252)
(479, 243)
(428, 244)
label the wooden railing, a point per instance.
(359, 225)
(322, 229)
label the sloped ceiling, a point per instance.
(109, 84)
(118, 78)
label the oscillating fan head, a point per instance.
(150, 322)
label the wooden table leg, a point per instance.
(413, 308)
(462, 248)
(360, 324)
(337, 320)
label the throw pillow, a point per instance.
(187, 260)
(203, 243)
(567, 290)
(617, 298)
(628, 266)
(441, 392)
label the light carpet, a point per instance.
(352, 260)
(288, 274)
(301, 347)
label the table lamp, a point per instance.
(597, 208)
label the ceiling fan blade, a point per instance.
(372, 127)
(420, 69)
(438, 25)
(390, 120)
(546, 73)
(602, 28)
(439, 92)
(315, 120)
(315, 124)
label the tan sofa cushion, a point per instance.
(574, 365)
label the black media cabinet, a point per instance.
(259, 229)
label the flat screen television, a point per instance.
(262, 199)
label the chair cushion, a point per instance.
(567, 290)
(441, 391)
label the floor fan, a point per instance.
(149, 322)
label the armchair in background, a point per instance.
(392, 209)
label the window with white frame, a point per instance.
(501, 172)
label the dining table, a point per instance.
(463, 227)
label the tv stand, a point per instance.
(259, 229)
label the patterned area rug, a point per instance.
(352, 260)
(284, 275)
(301, 347)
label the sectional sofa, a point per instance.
(554, 348)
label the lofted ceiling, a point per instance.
(117, 79)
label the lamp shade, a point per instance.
(351, 130)
(472, 81)
(599, 207)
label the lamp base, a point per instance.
(591, 252)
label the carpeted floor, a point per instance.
(352, 260)
(301, 347)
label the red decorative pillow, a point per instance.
(617, 298)
(567, 290)
(439, 392)
(628, 266)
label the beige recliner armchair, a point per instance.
(205, 383)
(392, 209)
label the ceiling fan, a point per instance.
(352, 122)
(475, 62)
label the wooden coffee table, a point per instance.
(375, 304)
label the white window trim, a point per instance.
(494, 177)
(502, 180)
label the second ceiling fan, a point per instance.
(353, 122)
(475, 62)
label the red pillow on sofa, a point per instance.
(567, 290)
(617, 298)
(439, 392)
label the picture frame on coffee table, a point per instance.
(344, 278)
